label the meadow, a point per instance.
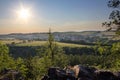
(39, 43)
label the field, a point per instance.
(39, 43)
(10, 41)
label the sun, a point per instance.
(24, 13)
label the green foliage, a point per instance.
(89, 60)
(51, 45)
(21, 67)
(45, 63)
(109, 58)
(3, 50)
(116, 48)
(115, 53)
(50, 55)
(61, 60)
(74, 59)
(6, 62)
(30, 72)
(37, 66)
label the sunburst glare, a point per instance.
(23, 13)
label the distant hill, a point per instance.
(87, 36)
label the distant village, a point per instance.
(87, 36)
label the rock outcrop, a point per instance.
(79, 72)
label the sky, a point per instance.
(59, 15)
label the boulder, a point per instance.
(106, 75)
(10, 75)
(83, 72)
(79, 72)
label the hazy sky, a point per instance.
(60, 15)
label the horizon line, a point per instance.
(47, 32)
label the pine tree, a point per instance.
(51, 45)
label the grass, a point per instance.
(39, 43)
(10, 41)
(32, 43)
(71, 45)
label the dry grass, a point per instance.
(39, 43)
